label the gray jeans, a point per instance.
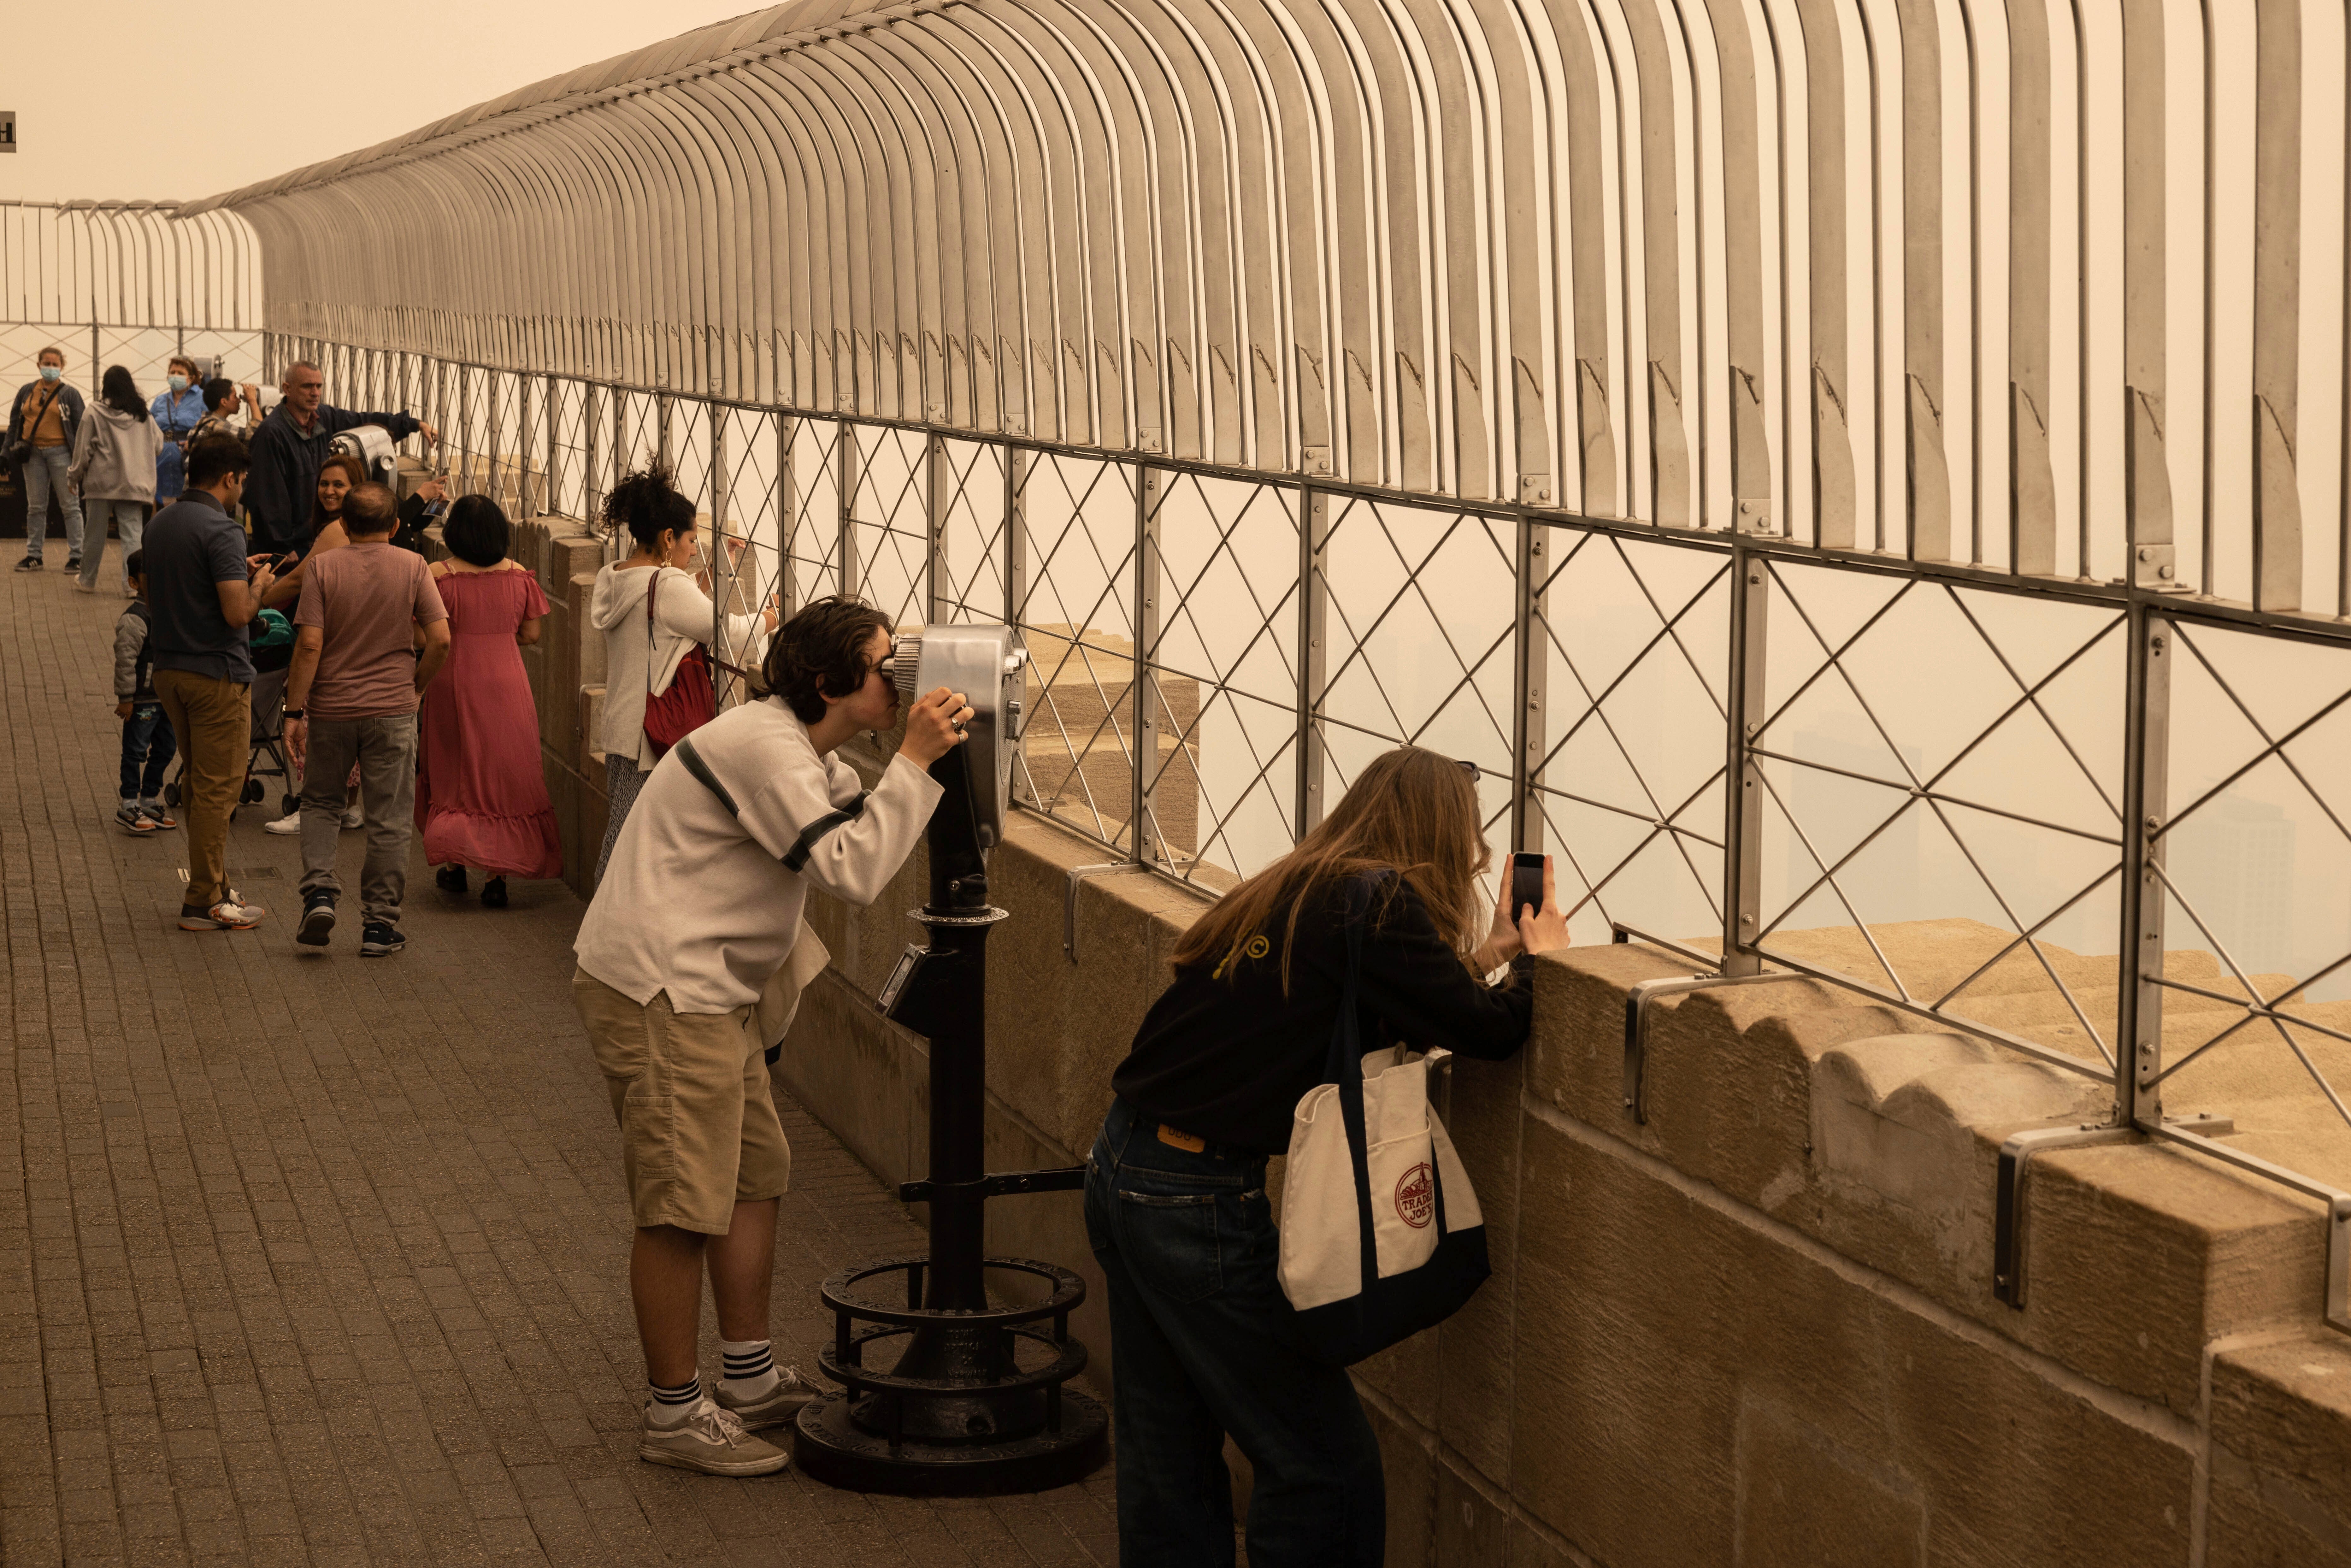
(385, 749)
(130, 519)
(44, 471)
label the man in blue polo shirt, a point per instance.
(202, 591)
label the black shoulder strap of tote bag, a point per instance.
(1344, 1067)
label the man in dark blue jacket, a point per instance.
(290, 445)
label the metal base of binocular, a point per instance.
(974, 1404)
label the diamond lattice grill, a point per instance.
(1077, 615)
(1927, 751)
(1224, 671)
(1632, 805)
(2272, 741)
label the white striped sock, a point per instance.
(750, 1366)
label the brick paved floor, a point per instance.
(320, 1259)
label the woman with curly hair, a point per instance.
(653, 613)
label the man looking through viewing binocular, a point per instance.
(691, 960)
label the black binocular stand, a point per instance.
(975, 1403)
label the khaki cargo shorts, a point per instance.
(699, 1127)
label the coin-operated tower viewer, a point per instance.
(974, 1401)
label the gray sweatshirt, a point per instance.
(114, 456)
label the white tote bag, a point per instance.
(1381, 1233)
(1417, 1188)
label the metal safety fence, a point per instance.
(2100, 823)
(127, 283)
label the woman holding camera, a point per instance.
(653, 614)
(1207, 1345)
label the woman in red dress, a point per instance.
(481, 798)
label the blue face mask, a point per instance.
(179, 384)
(52, 373)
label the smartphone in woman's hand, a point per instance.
(1526, 883)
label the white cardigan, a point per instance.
(639, 659)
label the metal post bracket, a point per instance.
(2016, 1159)
(1637, 1006)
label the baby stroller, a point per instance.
(273, 653)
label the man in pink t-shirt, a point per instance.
(352, 697)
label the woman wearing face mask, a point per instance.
(176, 413)
(47, 414)
(652, 614)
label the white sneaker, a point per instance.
(289, 823)
(354, 817)
(709, 1440)
(778, 1405)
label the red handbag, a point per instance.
(692, 700)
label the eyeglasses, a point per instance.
(1467, 766)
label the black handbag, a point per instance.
(1384, 1311)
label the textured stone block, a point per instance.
(1632, 1380)
(2281, 1453)
(1805, 1501)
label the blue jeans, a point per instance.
(147, 746)
(45, 470)
(1204, 1345)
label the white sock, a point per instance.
(151, 802)
(750, 1368)
(671, 1406)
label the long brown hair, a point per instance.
(1413, 810)
(354, 470)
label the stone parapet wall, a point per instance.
(1758, 1330)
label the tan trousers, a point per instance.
(213, 721)
(699, 1132)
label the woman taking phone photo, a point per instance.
(1206, 1343)
(653, 614)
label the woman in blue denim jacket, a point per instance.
(1204, 1343)
(176, 413)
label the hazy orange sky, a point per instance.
(171, 102)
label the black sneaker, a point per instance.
(450, 878)
(73, 563)
(30, 563)
(318, 919)
(380, 939)
(494, 894)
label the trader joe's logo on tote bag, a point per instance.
(1415, 1197)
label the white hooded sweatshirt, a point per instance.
(641, 653)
